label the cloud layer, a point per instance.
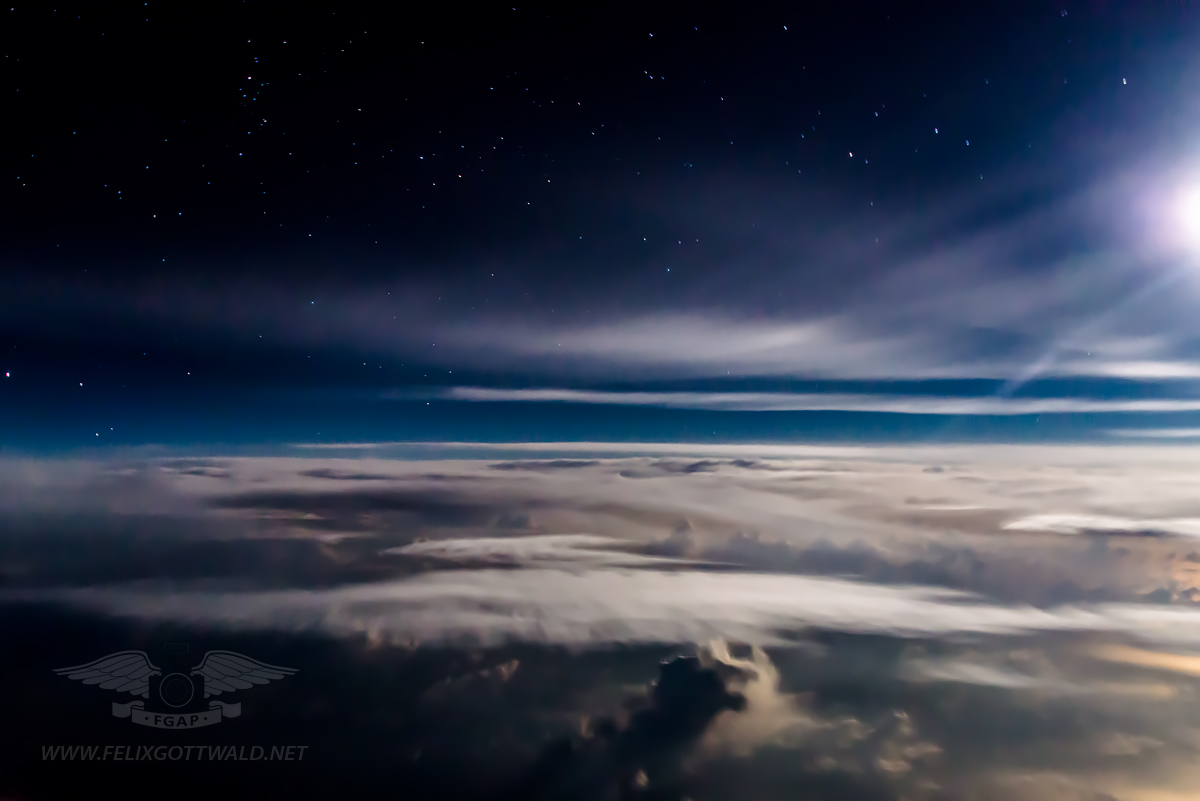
(834, 619)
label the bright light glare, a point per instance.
(1189, 214)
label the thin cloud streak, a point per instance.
(966, 672)
(586, 550)
(596, 607)
(1103, 524)
(1155, 433)
(781, 401)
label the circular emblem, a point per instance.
(176, 690)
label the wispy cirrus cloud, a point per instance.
(783, 401)
(545, 550)
(1155, 433)
(1103, 524)
(594, 606)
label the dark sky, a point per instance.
(241, 223)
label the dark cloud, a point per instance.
(517, 522)
(644, 758)
(666, 467)
(445, 508)
(551, 464)
(338, 475)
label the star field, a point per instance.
(229, 191)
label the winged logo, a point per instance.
(124, 671)
(176, 699)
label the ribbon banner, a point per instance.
(176, 720)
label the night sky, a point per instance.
(608, 403)
(246, 224)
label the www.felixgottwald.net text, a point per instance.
(173, 753)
